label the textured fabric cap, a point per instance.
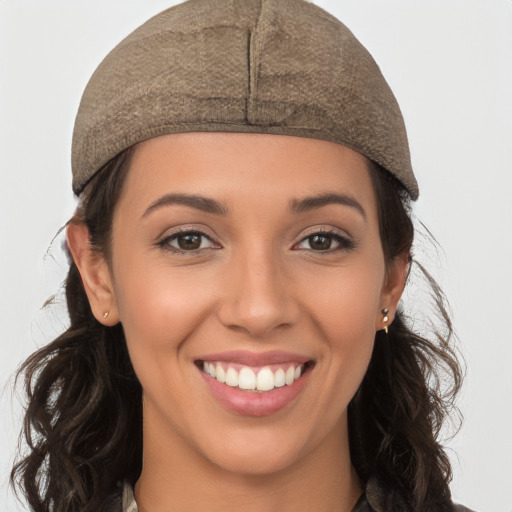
(258, 66)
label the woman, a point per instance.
(239, 252)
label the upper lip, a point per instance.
(256, 359)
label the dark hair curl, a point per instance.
(83, 423)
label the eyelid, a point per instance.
(345, 240)
(163, 240)
(325, 229)
(187, 228)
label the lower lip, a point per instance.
(249, 403)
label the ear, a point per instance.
(396, 278)
(95, 274)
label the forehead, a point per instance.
(245, 167)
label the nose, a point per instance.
(258, 298)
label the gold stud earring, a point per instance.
(385, 312)
(105, 315)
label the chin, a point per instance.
(257, 463)
(258, 452)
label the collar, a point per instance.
(362, 505)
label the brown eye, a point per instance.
(325, 241)
(320, 242)
(187, 241)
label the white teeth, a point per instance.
(247, 379)
(232, 377)
(289, 375)
(221, 374)
(265, 379)
(279, 378)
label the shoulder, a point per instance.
(382, 498)
(374, 500)
(128, 501)
(121, 499)
(364, 506)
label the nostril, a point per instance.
(258, 322)
(257, 299)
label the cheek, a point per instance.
(158, 308)
(343, 307)
(159, 311)
(345, 302)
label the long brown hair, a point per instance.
(83, 423)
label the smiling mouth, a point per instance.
(255, 379)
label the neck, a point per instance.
(175, 477)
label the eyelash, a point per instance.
(343, 241)
(166, 242)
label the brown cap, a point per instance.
(283, 67)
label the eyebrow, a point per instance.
(208, 205)
(318, 201)
(204, 204)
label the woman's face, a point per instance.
(248, 258)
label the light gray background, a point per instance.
(449, 63)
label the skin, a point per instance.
(257, 283)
